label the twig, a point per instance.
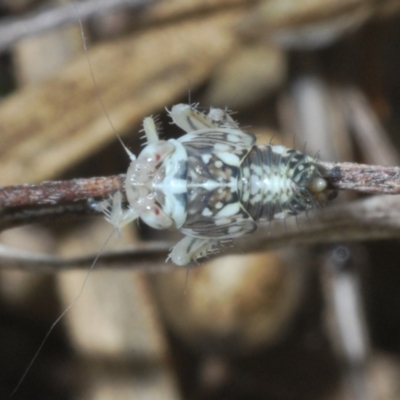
(367, 219)
(48, 201)
(12, 30)
(144, 255)
(59, 192)
(373, 218)
(362, 178)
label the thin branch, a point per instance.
(48, 201)
(16, 216)
(14, 29)
(360, 178)
(145, 255)
(367, 219)
(373, 218)
(59, 192)
(371, 179)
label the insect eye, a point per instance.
(154, 153)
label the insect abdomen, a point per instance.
(276, 182)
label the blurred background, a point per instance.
(299, 322)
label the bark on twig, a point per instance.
(59, 192)
(144, 255)
(48, 201)
(373, 218)
(371, 179)
(360, 178)
(367, 219)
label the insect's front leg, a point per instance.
(190, 119)
(150, 130)
(114, 212)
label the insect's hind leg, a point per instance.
(190, 119)
(222, 118)
(190, 249)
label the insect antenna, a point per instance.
(108, 214)
(62, 315)
(96, 86)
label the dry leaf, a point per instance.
(47, 128)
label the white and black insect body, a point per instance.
(214, 183)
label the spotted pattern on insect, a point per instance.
(214, 183)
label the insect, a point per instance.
(213, 183)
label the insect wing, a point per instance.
(220, 140)
(221, 227)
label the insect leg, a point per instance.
(150, 130)
(115, 214)
(222, 119)
(189, 119)
(190, 249)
